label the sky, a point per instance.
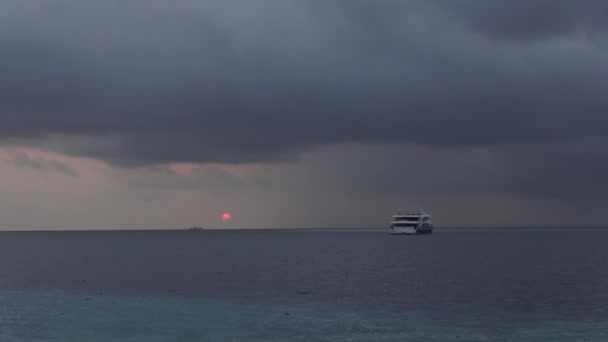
(154, 114)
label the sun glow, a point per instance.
(226, 217)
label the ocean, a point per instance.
(305, 285)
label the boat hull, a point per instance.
(411, 231)
(403, 231)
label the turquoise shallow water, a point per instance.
(56, 316)
(347, 285)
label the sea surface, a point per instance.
(305, 285)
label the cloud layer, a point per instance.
(148, 82)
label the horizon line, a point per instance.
(572, 227)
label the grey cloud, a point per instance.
(23, 160)
(533, 19)
(160, 169)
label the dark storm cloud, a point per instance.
(23, 160)
(146, 82)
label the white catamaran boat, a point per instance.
(411, 221)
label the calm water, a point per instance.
(359, 285)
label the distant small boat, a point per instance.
(411, 221)
(195, 228)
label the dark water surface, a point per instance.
(358, 285)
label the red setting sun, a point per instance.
(226, 217)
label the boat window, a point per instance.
(405, 225)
